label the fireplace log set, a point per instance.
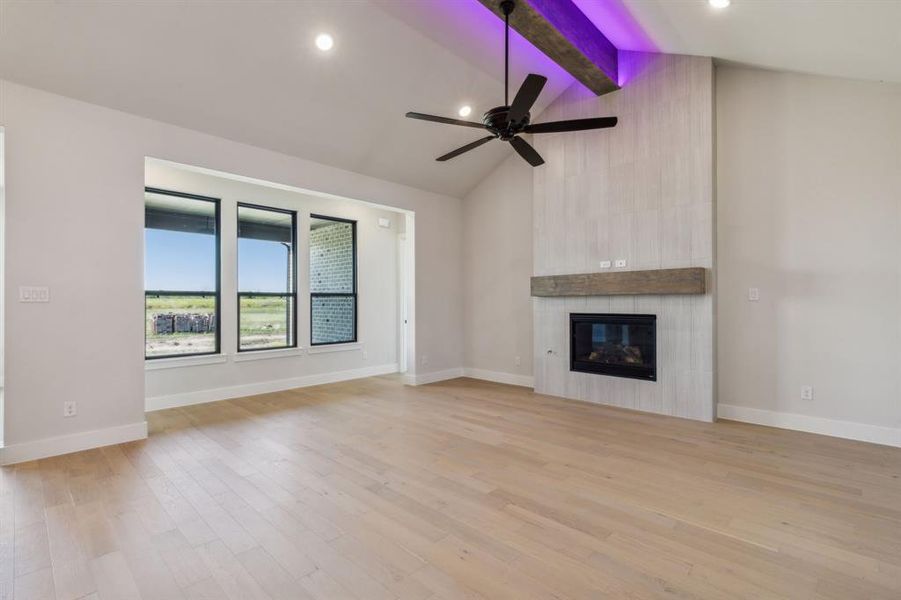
(616, 354)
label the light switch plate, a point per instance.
(605, 264)
(620, 263)
(753, 294)
(384, 223)
(33, 293)
(806, 392)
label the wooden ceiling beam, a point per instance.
(569, 38)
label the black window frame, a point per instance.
(290, 294)
(353, 224)
(217, 204)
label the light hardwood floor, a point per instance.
(463, 489)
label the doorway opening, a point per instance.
(2, 280)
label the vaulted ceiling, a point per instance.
(249, 71)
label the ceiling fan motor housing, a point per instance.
(496, 120)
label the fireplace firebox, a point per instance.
(614, 344)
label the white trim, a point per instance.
(154, 364)
(433, 377)
(335, 348)
(263, 387)
(74, 442)
(500, 377)
(877, 434)
(264, 354)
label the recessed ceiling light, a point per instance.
(719, 3)
(324, 42)
(465, 110)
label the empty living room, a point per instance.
(450, 299)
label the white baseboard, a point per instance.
(876, 434)
(495, 376)
(263, 387)
(74, 442)
(500, 377)
(433, 377)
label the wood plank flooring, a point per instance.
(373, 490)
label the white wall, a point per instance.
(75, 178)
(497, 265)
(809, 211)
(377, 295)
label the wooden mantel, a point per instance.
(691, 280)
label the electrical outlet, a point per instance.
(34, 293)
(69, 408)
(365, 355)
(753, 294)
(424, 360)
(605, 264)
(806, 392)
(518, 361)
(620, 263)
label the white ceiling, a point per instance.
(248, 71)
(860, 39)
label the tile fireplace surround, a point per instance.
(642, 192)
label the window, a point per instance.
(333, 280)
(181, 274)
(267, 278)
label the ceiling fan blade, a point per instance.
(526, 96)
(526, 151)
(571, 125)
(465, 148)
(435, 119)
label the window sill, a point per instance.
(264, 354)
(335, 348)
(184, 361)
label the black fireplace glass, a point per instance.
(614, 344)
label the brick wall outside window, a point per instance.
(331, 271)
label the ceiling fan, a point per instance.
(507, 122)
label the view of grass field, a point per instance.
(181, 261)
(265, 321)
(264, 324)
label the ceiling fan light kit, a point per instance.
(508, 122)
